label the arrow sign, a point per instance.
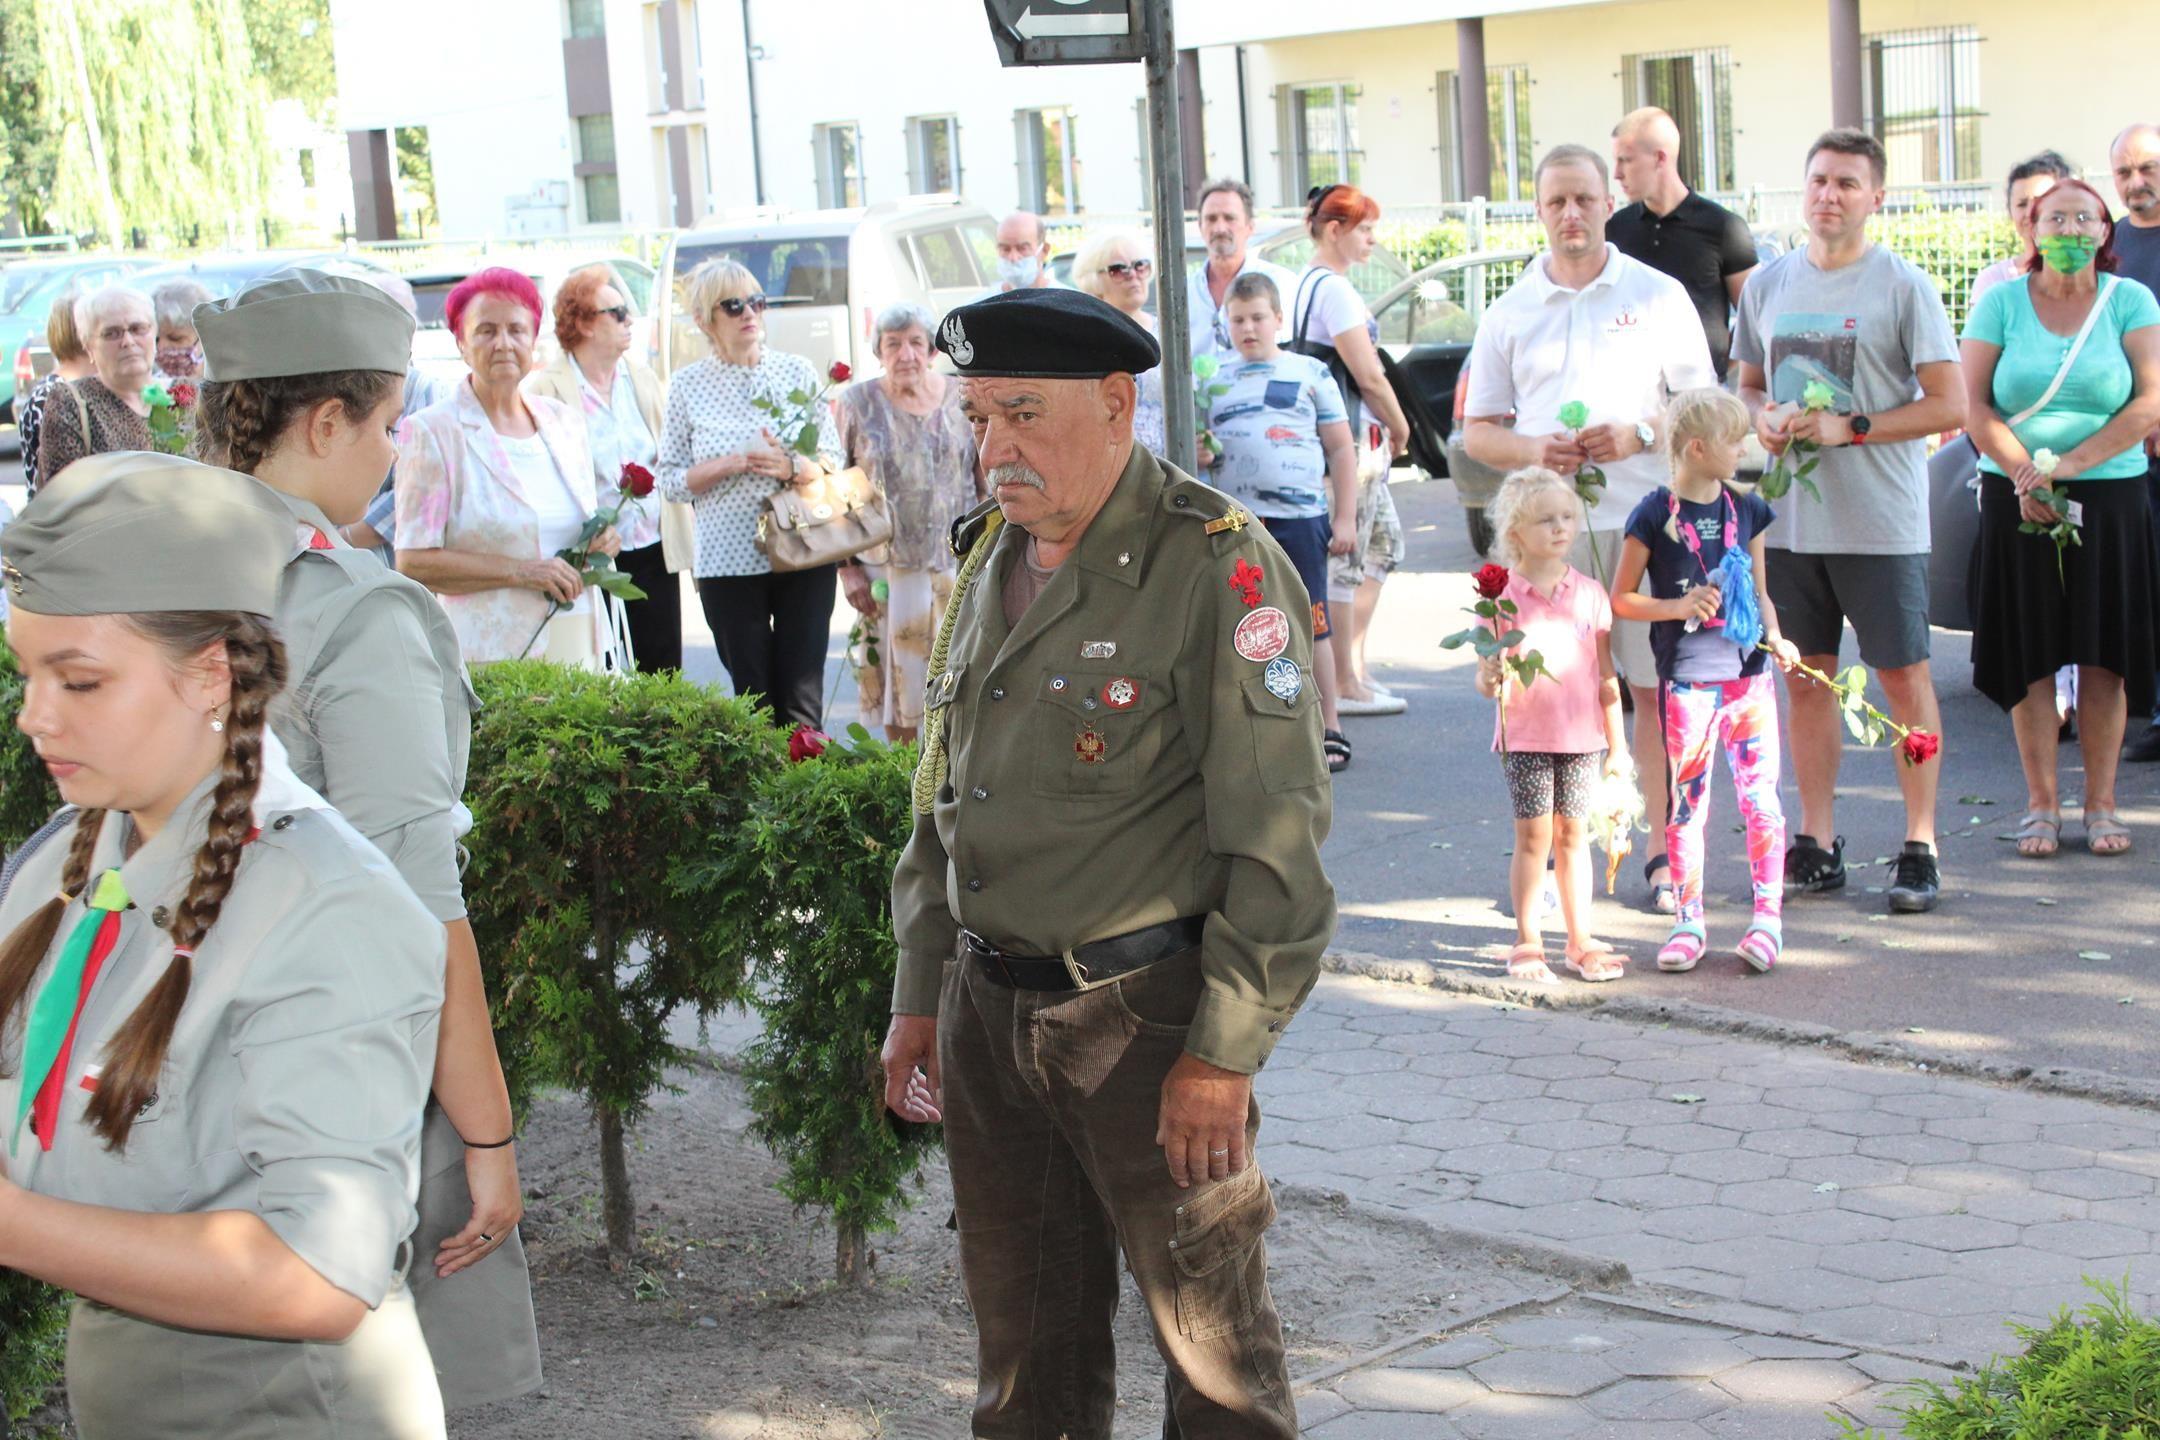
(1065, 32)
(1035, 24)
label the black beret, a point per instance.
(1046, 333)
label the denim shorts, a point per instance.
(1305, 541)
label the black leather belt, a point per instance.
(1099, 960)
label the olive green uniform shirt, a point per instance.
(376, 714)
(1114, 762)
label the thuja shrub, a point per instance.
(2092, 1375)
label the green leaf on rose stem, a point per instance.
(1506, 605)
(798, 397)
(1460, 638)
(1510, 640)
(615, 583)
(1858, 727)
(806, 443)
(1809, 486)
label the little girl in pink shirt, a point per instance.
(1560, 729)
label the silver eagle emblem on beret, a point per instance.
(15, 578)
(954, 334)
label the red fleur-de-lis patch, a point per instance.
(1245, 579)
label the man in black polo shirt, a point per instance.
(2134, 157)
(1698, 242)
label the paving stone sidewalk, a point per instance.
(1776, 1191)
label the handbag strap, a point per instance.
(82, 415)
(29, 847)
(1303, 306)
(2062, 372)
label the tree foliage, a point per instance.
(293, 55)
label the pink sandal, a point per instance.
(1681, 952)
(1761, 949)
(1526, 962)
(1598, 964)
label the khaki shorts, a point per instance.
(1631, 652)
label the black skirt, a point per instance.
(2029, 622)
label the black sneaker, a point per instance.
(1919, 882)
(1812, 870)
(2146, 748)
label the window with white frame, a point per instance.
(1319, 128)
(1048, 160)
(1507, 95)
(933, 154)
(839, 164)
(597, 174)
(1920, 96)
(1695, 88)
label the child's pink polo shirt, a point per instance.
(1559, 712)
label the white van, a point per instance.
(827, 273)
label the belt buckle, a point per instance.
(1076, 971)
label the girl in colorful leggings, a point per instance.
(1714, 630)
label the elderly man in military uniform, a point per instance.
(1112, 902)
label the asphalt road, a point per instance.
(1422, 827)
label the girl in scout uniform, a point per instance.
(218, 1003)
(306, 378)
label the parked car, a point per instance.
(219, 274)
(827, 273)
(1283, 242)
(27, 290)
(1954, 533)
(435, 348)
(1427, 325)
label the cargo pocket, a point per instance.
(1220, 1275)
(1286, 733)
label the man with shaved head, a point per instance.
(1669, 227)
(2135, 160)
(1023, 254)
(1112, 901)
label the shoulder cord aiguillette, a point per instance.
(930, 770)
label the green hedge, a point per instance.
(2091, 1376)
(826, 834)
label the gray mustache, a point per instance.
(1015, 474)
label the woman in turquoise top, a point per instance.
(2062, 369)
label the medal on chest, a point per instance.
(1091, 748)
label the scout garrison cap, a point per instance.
(1052, 334)
(134, 532)
(303, 322)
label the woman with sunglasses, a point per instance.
(492, 484)
(718, 452)
(621, 401)
(1117, 267)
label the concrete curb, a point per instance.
(1484, 1315)
(1862, 1045)
(1572, 1268)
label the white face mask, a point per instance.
(1019, 274)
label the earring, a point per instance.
(217, 724)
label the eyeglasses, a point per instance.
(733, 307)
(1123, 268)
(2057, 220)
(620, 313)
(114, 334)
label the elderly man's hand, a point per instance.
(914, 1090)
(1202, 1126)
(855, 585)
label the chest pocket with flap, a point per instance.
(1093, 731)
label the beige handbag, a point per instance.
(829, 520)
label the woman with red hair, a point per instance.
(622, 402)
(2062, 375)
(1329, 320)
(492, 483)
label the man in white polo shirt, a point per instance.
(1587, 325)
(1226, 228)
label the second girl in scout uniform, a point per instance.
(305, 378)
(218, 1003)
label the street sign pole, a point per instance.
(1167, 165)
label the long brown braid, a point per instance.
(25, 949)
(136, 1053)
(239, 423)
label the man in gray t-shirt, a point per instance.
(1848, 314)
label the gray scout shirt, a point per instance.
(295, 1079)
(376, 712)
(1864, 330)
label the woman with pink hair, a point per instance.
(493, 483)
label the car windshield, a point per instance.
(1380, 272)
(803, 270)
(19, 282)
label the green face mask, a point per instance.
(2067, 254)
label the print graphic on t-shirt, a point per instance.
(1809, 347)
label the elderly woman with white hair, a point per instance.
(1118, 268)
(179, 349)
(719, 453)
(905, 430)
(106, 411)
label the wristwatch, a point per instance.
(1648, 436)
(1860, 427)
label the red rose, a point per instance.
(637, 481)
(1919, 746)
(839, 372)
(1491, 581)
(183, 394)
(805, 743)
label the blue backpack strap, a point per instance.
(60, 821)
